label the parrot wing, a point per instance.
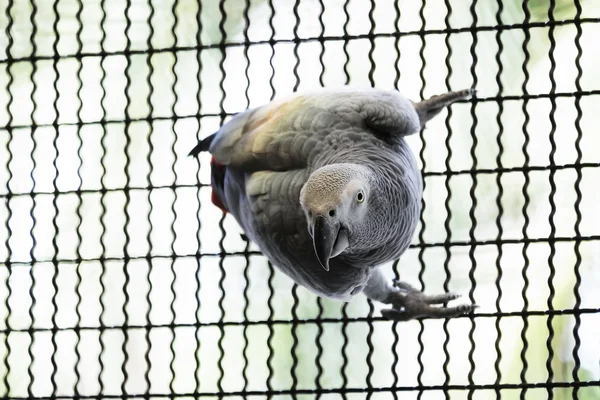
(284, 134)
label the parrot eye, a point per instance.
(360, 197)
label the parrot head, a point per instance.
(335, 202)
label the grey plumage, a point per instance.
(325, 184)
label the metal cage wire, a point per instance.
(112, 260)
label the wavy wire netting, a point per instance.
(119, 278)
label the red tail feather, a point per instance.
(214, 198)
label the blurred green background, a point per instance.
(184, 315)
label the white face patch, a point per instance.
(354, 187)
(325, 189)
(336, 187)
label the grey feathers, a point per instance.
(325, 184)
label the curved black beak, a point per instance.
(324, 236)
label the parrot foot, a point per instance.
(409, 303)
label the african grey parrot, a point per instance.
(326, 186)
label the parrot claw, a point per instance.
(409, 303)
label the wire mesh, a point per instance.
(119, 279)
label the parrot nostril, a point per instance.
(332, 213)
